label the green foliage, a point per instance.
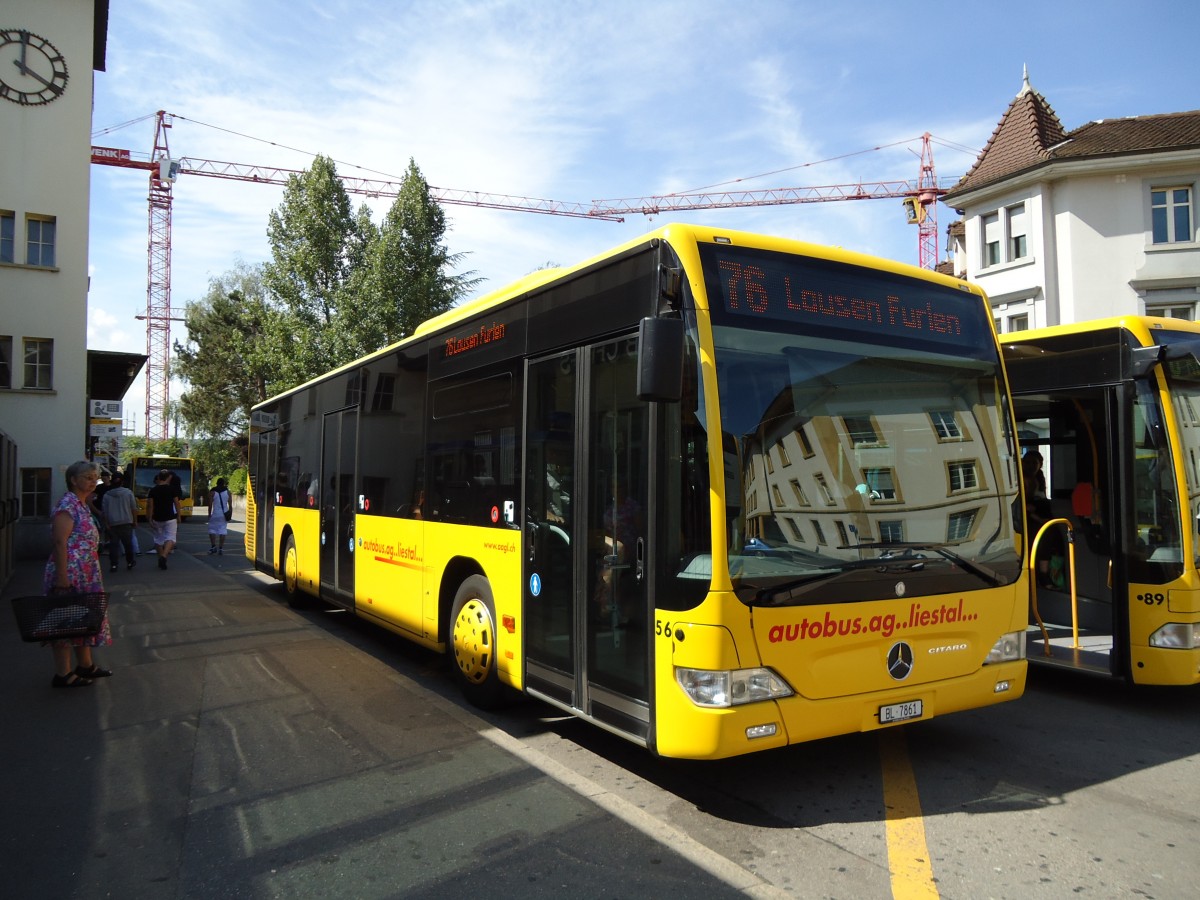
(317, 244)
(232, 358)
(337, 287)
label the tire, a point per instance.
(291, 574)
(472, 644)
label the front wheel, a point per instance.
(473, 643)
(291, 573)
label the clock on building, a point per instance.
(32, 71)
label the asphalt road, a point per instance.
(244, 749)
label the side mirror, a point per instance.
(660, 360)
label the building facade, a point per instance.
(1065, 226)
(48, 53)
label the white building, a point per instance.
(1065, 226)
(48, 52)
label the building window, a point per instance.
(805, 445)
(881, 483)
(385, 390)
(1171, 214)
(795, 529)
(891, 530)
(39, 364)
(1018, 247)
(963, 476)
(778, 495)
(945, 423)
(861, 430)
(960, 525)
(39, 243)
(1005, 236)
(820, 532)
(784, 459)
(801, 498)
(5, 361)
(8, 231)
(991, 240)
(823, 487)
(1019, 322)
(35, 493)
(843, 537)
(1187, 311)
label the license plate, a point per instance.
(898, 712)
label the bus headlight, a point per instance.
(1010, 647)
(706, 687)
(1176, 636)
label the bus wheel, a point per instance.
(291, 574)
(473, 643)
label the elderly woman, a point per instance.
(74, 566)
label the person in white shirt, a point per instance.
(220, 511)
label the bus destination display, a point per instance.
(821, 295)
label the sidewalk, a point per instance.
(243, 749)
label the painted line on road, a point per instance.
(908, 854)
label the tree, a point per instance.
(233, 357)
(317, 243)
(407, 279)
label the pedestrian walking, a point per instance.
(120, 512)
(220, 511)
(162, 511)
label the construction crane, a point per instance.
(920, 199)
(164, 170)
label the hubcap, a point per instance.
(472, 636)
(290, 569)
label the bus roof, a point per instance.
(683, 238)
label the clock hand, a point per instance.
(25, 70)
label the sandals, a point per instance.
(94, 672)
(70, 680)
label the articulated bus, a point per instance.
(710, 491)
(1113, 407)
(142, 470)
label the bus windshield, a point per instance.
(864, 466)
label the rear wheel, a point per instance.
(291, 573)
(473, 643)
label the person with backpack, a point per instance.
(220, 511)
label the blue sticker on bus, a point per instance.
(535, 584)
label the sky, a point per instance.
(580, 102)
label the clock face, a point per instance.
(32, 71)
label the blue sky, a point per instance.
(583, 101)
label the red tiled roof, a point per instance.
(1030, 135)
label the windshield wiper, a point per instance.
(977, 569)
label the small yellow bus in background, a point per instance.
(142, 470)
(711, 491)
(1113, 407)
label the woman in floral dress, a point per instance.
(74, 566)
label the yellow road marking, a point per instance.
(908, 855)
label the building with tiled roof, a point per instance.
(1063, 226)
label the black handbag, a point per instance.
(60, 617)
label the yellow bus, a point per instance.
(1113, 407)
(711, 491)
(142, 470)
